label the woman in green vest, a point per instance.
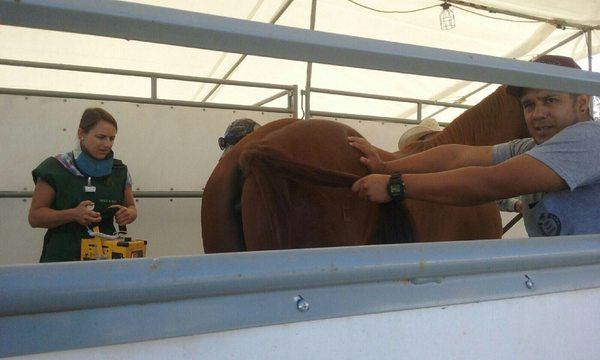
(80, 189)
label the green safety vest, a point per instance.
(63, 243)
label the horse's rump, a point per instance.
(221, 214)
(296, 196)
(316, 156)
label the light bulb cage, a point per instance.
(447, 21)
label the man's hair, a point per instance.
(517, 91)
(93, 116)
(236, 131)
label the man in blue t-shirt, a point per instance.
(556, 171)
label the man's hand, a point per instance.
(84, 215)
(373, 188)
(371, 157)
(124, 215)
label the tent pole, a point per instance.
(274, 19)
(561, 24)
(588, 38)
(313, 16)
(561, 43)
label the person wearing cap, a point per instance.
(425, 130)
(556, 171)
(429, 128)
(235, 132)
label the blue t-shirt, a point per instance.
(574, 154)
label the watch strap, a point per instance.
(396, 187)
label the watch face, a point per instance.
(395, 189)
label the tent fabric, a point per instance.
(514, 37)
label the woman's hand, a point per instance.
(124, 215)
(84, 214)
(373, 188)
(371, 158)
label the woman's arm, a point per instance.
(42, 216)
(127, 213)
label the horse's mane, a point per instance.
(496, 119)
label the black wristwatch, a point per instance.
(395, 187)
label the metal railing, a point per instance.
(162, 25)
(291, 91)
(418, 102)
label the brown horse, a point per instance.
(286, 185)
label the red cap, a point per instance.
(565, 61)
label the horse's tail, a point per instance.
(266, 163)
(222, 229)
(262, 156)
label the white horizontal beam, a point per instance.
(175, 27)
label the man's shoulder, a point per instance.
(581, 131)
(590, 127)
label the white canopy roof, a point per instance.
(476, 31)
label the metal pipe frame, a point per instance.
(153, 76)
(559, 23)
(561, 43)
(295, 100)
(370, 118)
(387, 97)
(287, 93)
(309, 65)
(140, 100)
(183, 28)
(419, 103)
(588, 38)
(52, 307)
(146, 74)
(273, 20)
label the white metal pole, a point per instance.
(313, 16)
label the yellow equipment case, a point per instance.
(121, 247)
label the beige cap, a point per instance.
(426, 126)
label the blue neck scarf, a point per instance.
(90, 166)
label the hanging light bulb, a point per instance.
(447, 17)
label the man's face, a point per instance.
(547, 112)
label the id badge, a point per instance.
(89, 188)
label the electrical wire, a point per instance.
(433, 6)
(117, 234)
(392, 11)
(494, 17)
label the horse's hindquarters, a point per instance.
(434, 222)
(282, 213)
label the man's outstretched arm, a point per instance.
(440, 158)
(471, 185)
